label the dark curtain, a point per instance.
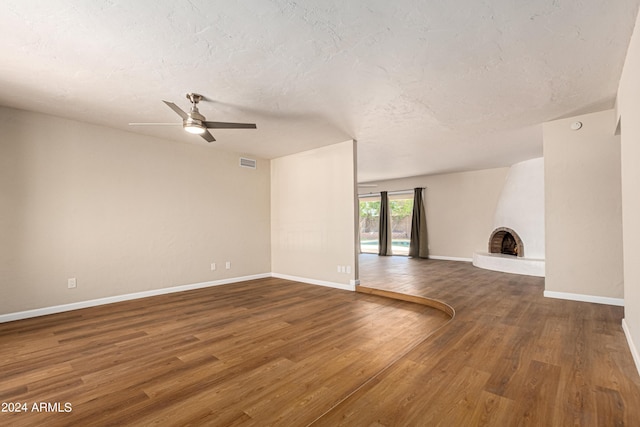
(384, 235)
(418, 246)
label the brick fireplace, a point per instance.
(506, 241)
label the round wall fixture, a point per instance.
(576, 125)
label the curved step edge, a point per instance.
(429, 302)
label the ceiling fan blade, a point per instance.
(207, 136)
(177, 109)
(155, 124)
(223, 125)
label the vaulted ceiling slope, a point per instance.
(424, 86)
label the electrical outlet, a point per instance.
(228, 265)
(72, 283)
(213, 266)
(338, 269)
(348, 269)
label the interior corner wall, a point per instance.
(583, 204)
(629, 110)
(313, 215)
(120, 212)
(460, 208)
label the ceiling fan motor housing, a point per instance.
(195, 115)
(193, 122)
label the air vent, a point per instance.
(247, 163)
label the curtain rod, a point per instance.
(390, 193)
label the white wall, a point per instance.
(120, 212)
(460, 208)
(629, 111)
(313, 215)
(521, 205)
(583, 207)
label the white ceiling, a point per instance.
(424, 86)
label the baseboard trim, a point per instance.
(632, 347)
(450, 258)
(350, 287)
(585, 298)
(10, 317)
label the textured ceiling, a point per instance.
(424, 86)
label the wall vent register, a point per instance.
(247, 163)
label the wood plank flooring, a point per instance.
(273, 352)
(510, 357)
(265, 352)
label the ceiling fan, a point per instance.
(195, 123)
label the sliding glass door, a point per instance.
(369, 223)
(400, 207)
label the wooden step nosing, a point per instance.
(429, 302)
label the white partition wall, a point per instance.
(629, 115)
(313, 216)
(583, 208)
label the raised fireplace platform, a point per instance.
(509, 264)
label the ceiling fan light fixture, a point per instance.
(194, 128)
(194, 125)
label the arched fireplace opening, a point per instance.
(505, 241)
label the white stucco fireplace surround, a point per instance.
(517, 243)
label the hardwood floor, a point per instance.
(273, 352)
(510, 357)
(266, 352)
